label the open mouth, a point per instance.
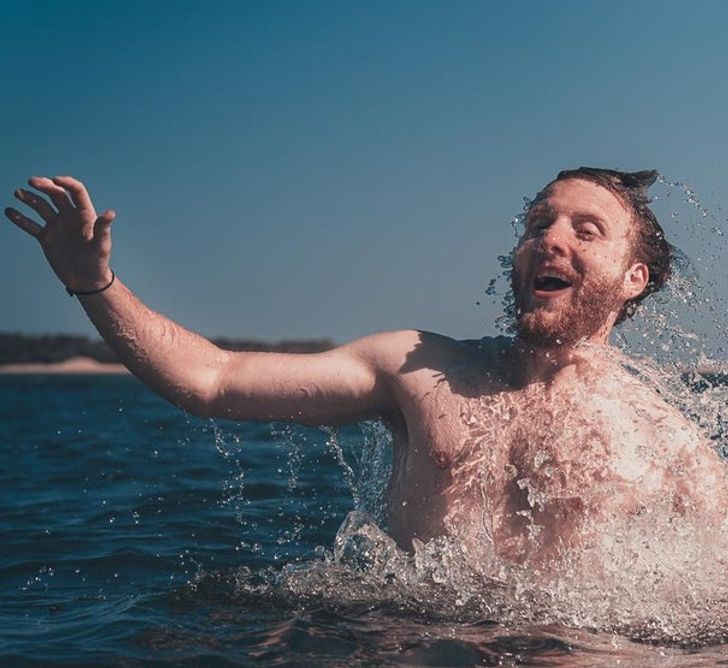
(551, 283)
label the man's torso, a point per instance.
(524, 472)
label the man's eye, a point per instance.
(538, 225)
(588, 230)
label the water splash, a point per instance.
(665, 575)
(367, 571)
(228, 445)
(368, 468)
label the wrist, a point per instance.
(94, 288)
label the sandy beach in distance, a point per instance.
(74, 365)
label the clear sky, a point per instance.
(287, 169)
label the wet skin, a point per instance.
(528, 470)
(519, 447)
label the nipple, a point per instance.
(441, 459)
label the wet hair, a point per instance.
(649, 244)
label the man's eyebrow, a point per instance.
(540, 207)
(593, 215)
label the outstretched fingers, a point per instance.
(78, 192)
(24, 223)
(57, 195)
(73, 203)
(38, 204)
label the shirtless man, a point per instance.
(523, 444)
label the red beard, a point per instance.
(588, 309)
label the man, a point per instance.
(520, 448)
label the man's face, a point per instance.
(571, 265)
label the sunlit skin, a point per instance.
(470, 419)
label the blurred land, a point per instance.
(63, 353)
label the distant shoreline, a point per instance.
(74, 365)
(75, 354)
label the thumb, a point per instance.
(103, 222)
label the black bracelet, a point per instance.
(73, 293)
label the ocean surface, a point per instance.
(132, 534)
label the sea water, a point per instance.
(128, 539)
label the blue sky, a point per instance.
(287, 169)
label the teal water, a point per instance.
(134, 535)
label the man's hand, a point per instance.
(75, 241)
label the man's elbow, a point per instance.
(200, 402)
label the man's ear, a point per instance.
(635, 280)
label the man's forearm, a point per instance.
(178, 364)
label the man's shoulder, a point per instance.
(394, 348)
(639, 386)
(410, 350)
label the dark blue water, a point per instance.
(135, 535)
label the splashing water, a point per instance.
(666, 574)
(369, 472)
(234, 486)
(656, 574)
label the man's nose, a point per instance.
(555, 238)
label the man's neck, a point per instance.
(541, 364)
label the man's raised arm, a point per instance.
(345, 384)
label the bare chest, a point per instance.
(555, 444)
(509, 460)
